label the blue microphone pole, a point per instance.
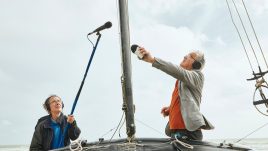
(80, 89)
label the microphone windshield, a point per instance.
(134, 48)
(108, 24)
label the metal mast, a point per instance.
(126, 67)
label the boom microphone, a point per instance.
(106, 25)
(136, 50)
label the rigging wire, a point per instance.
(260, 74)
(242, 23)
(117, 127)
(149, 127)
(107, 132)
(119, 132)
(255, 33)
(240, 37)
(252, 132)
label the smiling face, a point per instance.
(188, 60)
(55, 105)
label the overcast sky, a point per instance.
(44, 51)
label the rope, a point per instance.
(130, 138)
(240, 37)
(77, 144)
(242, 23)
(129, 146)
(183, 144)
(254, 33)
(252, 132)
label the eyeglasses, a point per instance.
(189, 56)
(55, 101)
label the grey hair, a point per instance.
(200, 58)
(46, 103)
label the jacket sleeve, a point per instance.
(36, 144)
(74, 131)
(190, 77)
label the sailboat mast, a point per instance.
(126, 67)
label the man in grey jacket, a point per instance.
(185, 118)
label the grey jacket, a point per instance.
(190, 92)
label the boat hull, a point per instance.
(156, 144)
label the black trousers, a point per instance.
(193, 135)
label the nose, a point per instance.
(58, 102)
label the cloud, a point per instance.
(5, 123)
(167, 41)
(259, 6)
(4, 77)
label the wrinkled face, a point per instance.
(188, 60)
(55, 104)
